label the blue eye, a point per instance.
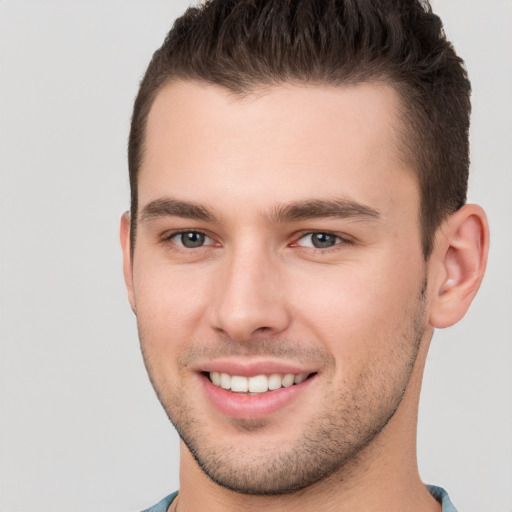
(190, 239)
(319, 240)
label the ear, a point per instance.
(458, 264)
(127, 257)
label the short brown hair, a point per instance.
(243, 44)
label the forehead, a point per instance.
(279, 143)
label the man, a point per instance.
(298, 228)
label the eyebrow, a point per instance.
(290, 212)
(321, 208)
(170, 207)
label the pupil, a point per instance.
(192, 239)
(323, 240)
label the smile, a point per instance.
(257, 383)
(255, 390)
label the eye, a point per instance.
(190, 239)
(319, 240)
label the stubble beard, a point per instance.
(332, 443)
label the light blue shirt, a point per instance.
(438, 492)
(163, 505)
(442, 496)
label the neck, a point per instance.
(393, 484)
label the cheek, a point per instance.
(357, 309)
(169, 305)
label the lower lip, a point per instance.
(250, 407)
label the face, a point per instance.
(277, 276)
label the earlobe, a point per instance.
(460, 258)
(127, 257)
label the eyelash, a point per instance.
(340, 240)
(170, 238)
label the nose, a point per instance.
(251, 297)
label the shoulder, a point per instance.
(442, 496)
(162, 505)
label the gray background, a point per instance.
(80, 429)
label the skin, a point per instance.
(259, 175)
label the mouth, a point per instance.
(256, 384)
(254, 390)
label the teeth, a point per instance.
(225, 381)
(301, 377)
(258, 383)
(239, 384)
(274, 381)
(288, 380)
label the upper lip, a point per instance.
(252, 368)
